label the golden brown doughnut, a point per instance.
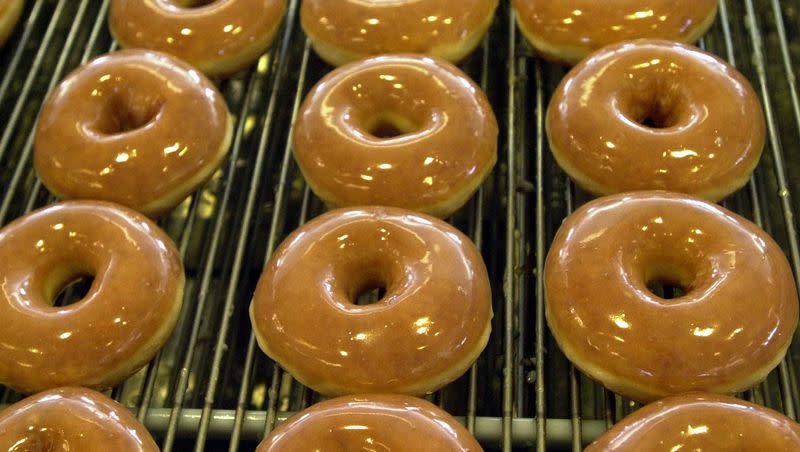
(728, 331)
(10, 10)
(700, 421)
(566, 31)
(72, 419)
(218, 37)
(342, 31)
(656, 115)
(135, 127)
(425, 332)
(371, 422)
(443, 146)
(116, 328)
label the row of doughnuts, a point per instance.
(349, 112)
(110, 132)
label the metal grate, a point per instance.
(211, 388)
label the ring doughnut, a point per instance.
(135, 127)
(218, 37)
(349, 30)
(383, 422)
(425, 332)
(645, 115)
(10, 10)
(605, 314)
(72, 419)
(699, 421)
(116, 328)
(568, 31)
(401, 130)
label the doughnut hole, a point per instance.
(382, 107)
(669, 280)
(189, 4)
(656, 105)
(365, 280)
(125, 112)
(67, 284)
(387, 125)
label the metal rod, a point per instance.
(509, 277)
(11, 68)
(780, 173)
(205, 282)
(272, 243)
(477, 238)
(11, 125)
(241, 245)
(541, 439)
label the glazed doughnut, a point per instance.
(401, 130)
(347, 30)
(116, 328)
(646, 115)
(218, 37)
(10, 10)
(382, 422)
(699, 421)
(717, 337)
(567, 31)
(72, 419)
(135, 127)
(425, 332)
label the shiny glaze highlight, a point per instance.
(135, 127)
(432, 323)
(566, 31)
(10, 10)
(66, 419)
(705, 422)
(371, 422)
(448, 148)
(347, 30)
(116, 328)
(219, 38)
(726, 333)
(713, 126)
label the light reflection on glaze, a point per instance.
(449, 29)
(433, 168)
(117, 327)
(219, 38)
(700, 421)
(371, 423)
(568, 30)
(180, 131)
(731, 328)
(714, 132)
(72, 419)
(426, 331)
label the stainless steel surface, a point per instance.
(211, 388)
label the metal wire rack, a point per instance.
(211, 388)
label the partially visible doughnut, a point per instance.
(72, 419)
(10, 10)
(371, 422)
(135, 127)
(124, 319)
(700, 421)
(566, 31)
(218, 37)
(729, 329)
(342, 31)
